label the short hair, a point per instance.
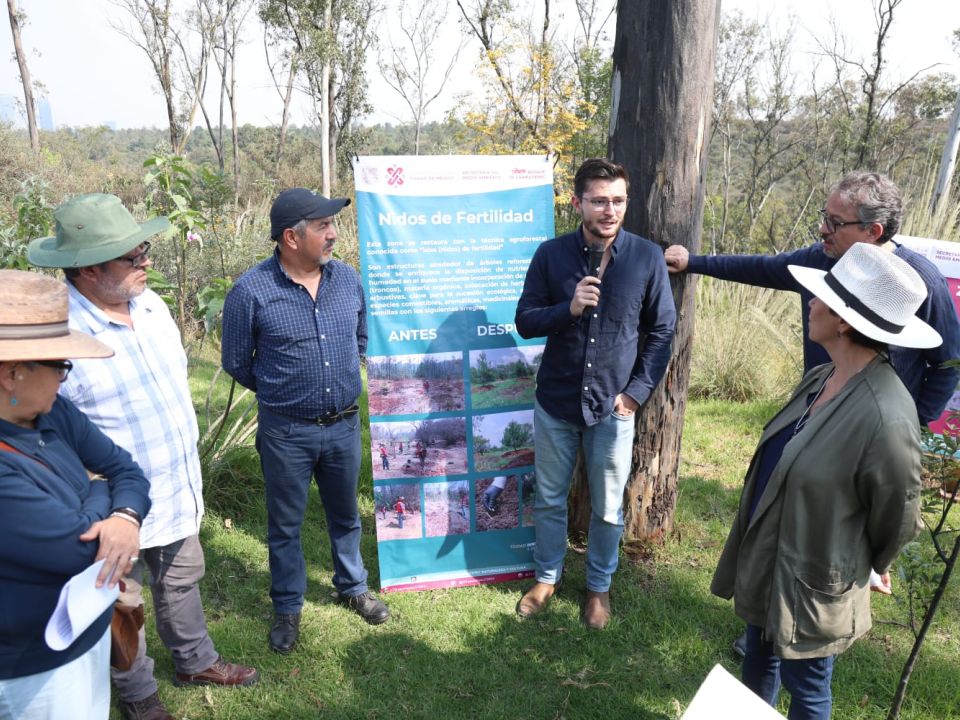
(300, 228)
(875, 197)
(598, 169)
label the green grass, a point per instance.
(463, 654)
(513, 391)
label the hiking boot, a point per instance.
(150, 708)
(284, 633)
(536, 599)
(596, 610)
(370, 608)
(220, 673)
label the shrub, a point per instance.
(747, 342)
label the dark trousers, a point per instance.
(175, 573)
(291, 454)
(807, 681)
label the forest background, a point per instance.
(787, 122)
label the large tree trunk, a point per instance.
(948, 160)
(663, 72)
(24, 76)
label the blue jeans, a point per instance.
(807, 681)
(291, 453)
(608, 451)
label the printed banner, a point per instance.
(946, 256)
(444, 248)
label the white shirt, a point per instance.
(140, 398)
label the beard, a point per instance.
(598, 233)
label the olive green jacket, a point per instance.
(844, 497)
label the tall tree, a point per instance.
(409, 67)
(154, 29)
(330, 41)
(15, 20)
(663, 75)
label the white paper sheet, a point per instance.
(81, 602)
(722, 696)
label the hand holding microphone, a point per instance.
(587, 292)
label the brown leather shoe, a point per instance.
(220, 673)
(535, 599)
(150, 708)
(596, 610)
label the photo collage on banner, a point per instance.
(946, 256)
(444, 248)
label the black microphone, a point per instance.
(594, 258)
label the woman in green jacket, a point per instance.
(833, 487)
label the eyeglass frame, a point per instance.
(63, 367)
(618, 204)
(138, 260)
(834, 225)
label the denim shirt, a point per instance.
(621, 346)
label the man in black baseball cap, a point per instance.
(294, 330)
(297, 204)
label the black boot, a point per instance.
(284, 633)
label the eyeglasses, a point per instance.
(138, 260)
(834, 225)
(598, 203)
(63, 367)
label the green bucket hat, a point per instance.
(91, 229)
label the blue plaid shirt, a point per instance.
(301, 356)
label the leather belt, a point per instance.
(332, 417)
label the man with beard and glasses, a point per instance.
(141, 400)
(601, 296)
(862, 207)
(294, 330)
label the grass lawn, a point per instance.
(463, 654)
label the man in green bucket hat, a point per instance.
(141, 400)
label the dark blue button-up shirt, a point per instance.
(930, 384)
(621, 346)
(301, 356)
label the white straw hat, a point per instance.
(875, 292)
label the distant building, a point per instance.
(45, 115)
(9, 112)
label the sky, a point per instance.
(91, 75)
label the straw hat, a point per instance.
(33, 321)
(875, 292)
(91, 229)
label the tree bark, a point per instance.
(948, 160)
(28, 102)
(663, 74)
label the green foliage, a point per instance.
(162, 287)
(746, 342)
(517, 435)
(210, 301)
(32, 218)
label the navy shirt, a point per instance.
(930, 385)
(299, 354)
(621, 346)
(46, 502)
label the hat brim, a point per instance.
(327, 208)
(915, 334)
(74, 344)
(44, 252)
